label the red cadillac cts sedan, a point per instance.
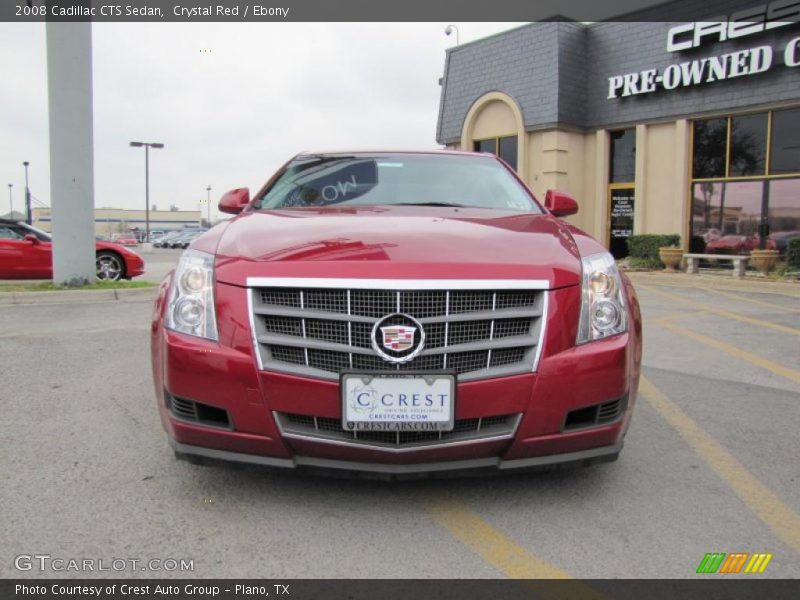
(399, 313)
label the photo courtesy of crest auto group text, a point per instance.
(366, 301)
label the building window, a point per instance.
(505, 147)
(784, 154)
(748, 146)
(710, 148)
(622, 164)
(746, 182)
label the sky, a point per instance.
(231, 102)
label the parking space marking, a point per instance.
(739, 298)
(720, 312)
(731, 349)
(492, 546)
(778, 516)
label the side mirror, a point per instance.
(29, 237)
(560, 204)
(233, 202)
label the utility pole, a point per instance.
(28, 216)
(208, 205)
(147, 146)
(10, 201)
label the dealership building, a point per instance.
(111, 221)
(655, 125)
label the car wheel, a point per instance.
(110, 266)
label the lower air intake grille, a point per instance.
(202, 414)
(598, 414)
(327, 429)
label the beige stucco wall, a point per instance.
(661, 206)
(495, 119)
(577, 163)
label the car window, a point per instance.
(479, 182)
(7, 232)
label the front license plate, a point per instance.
(398, 402)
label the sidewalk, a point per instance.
(69, 296)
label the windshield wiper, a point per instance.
(430, 204)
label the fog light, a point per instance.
(189, 312)
(605, 315)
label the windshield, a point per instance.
(397, 179)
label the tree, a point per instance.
(173, 208)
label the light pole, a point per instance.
(10, 201)
(28, 216)
(147, 146)
(208, 205)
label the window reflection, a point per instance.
(710, 143)
(784, 212)
(622, 162)
(725, 216)
(785, 146)
(748, 145)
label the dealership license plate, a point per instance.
(398, 402)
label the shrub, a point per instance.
(793, 253)
(647, 245)
(645, 263)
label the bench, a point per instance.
(739, 262)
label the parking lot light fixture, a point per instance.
(10, 201)
(147, 146)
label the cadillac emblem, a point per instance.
(398, 338)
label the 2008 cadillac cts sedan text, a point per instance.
(398, 313)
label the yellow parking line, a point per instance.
(779, 517)
(739, 298)
(733, 351)
(491, 545)
(720, 312)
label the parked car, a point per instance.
(125, 239)
(780, 240)
(736, 244)
(184, 240)
(27, 253)
(163, 240)
(396, 313)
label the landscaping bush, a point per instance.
(647, 245)
(793, 253)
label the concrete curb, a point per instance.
(726, 281)
(78, 296)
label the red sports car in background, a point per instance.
(396, 313)
(27, 253)
(736, 244)
(125, 239)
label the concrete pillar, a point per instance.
(601, 167)
(640, 182)
(682, 198)
(69, 83)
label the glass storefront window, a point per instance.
(504, 147)
(725, 216)
(489, 145)
(710, 144)
(748, 147)
(508, 150)
(622, 163)
(785, 146)
(783, 213)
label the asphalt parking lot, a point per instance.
(710, 462)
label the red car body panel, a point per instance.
(22, 259)
(397, 242)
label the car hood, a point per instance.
(400, 242)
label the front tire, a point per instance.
(109, 266)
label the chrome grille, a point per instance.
(321, 330)
(327, 429)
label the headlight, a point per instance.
(603, 304)
(191, 296)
